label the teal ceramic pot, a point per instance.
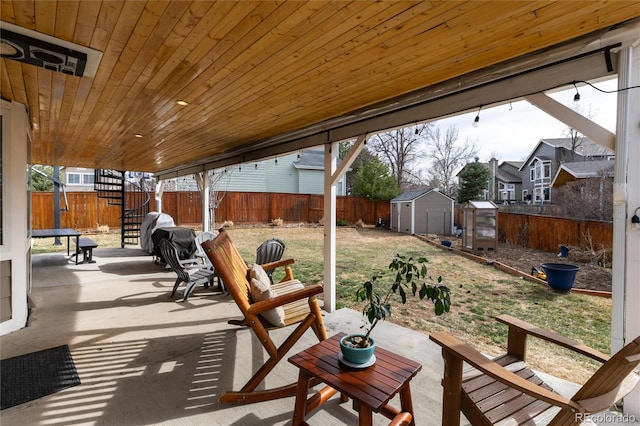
(356, 355)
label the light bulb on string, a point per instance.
(476, 120)
(576, 97)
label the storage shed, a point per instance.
(423, 211)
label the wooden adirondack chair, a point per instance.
(300, 307)
(505, 391)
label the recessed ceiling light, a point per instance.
(138, 135)
(182, 103)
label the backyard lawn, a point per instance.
(478, 292)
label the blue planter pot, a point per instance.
(560, 276)
(357, 355)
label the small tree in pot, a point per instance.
(410, 275)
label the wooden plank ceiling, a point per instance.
(253, 70)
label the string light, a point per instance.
(576, 97)
(476, 120)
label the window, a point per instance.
(525, 195)
(532, 174)
(80, 179)
(87, 179)
(547, 170)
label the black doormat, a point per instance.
(27, 377)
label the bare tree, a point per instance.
(587, 199)
(218, 181)
(577, 139)
(447, 156)
(403, 150)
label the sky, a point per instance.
(513, 131)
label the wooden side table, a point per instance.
(370, 388)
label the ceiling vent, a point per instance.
(41, 50)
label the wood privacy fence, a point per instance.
(548, 233)
(87, 211)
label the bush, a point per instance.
(277, 222)
(342, 222)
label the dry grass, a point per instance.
(478, 292)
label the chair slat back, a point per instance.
(170, 255)
(270, 251)
(231, 267)
(201, 238)
(609, 376)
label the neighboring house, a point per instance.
(505, 181)
(80, 179)
(423, 211)
(295, 173)
(77, 179)
(545, 160)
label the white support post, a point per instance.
(158, 195)
(332, 174)
(205, 196)
(330, 162)
(625, 323)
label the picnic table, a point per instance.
(54, 233)
(83, 245)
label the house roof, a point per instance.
(266, 78)
(585, 148)
(505, 176)
(515, 164)
(310, 159)
(582, 170)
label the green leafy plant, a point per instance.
(409, 275)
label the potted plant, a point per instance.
(409, 274)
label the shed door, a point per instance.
(405, 218)
(437, 222)
(395, 216)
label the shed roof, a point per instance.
(417, 193)
(582, 170)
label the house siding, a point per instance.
(282, 176)
(309, 182)
(246, 178)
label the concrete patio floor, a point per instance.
(144, 358)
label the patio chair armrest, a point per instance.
(304, 293)
(518, 330)
(277, 264)
(467, 354)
